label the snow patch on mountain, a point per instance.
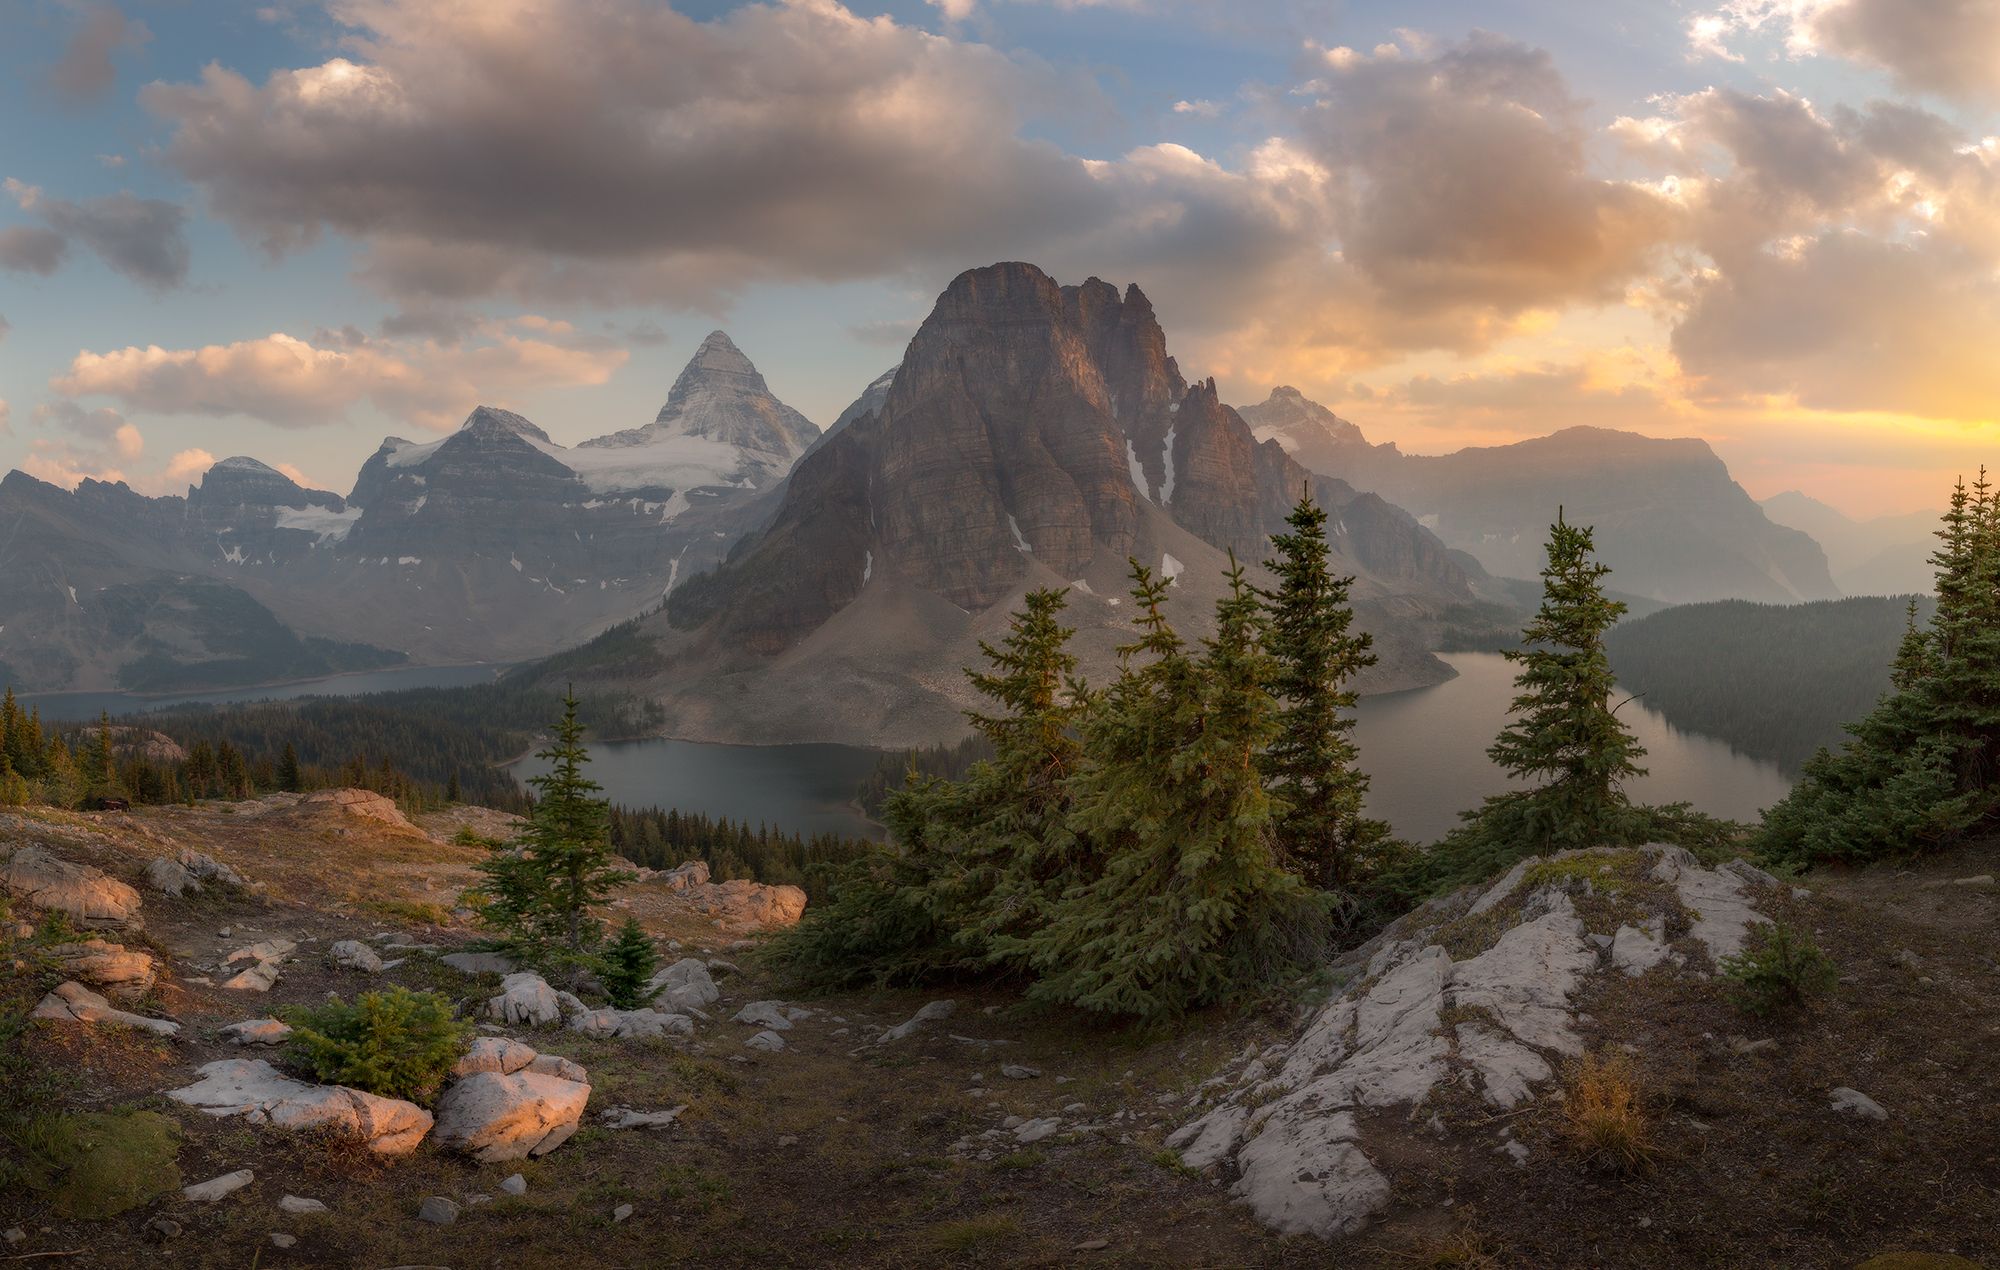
(324, 525)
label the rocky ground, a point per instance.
(1407, 1110)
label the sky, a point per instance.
(289, 229)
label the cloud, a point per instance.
(84, 73)
(142, 238)
(1846, 321)
(187, 465)
(104, 443)
(1428, 200)
(1949, 48)
(1200, 109)
(5, 326)
(623, 152)
(1463, 178)
(293, 383)
(32, 249)
(104, 428)
(6, 418)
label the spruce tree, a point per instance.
(1000, 847)
(1920, 770)
(1191, 901)
(628, 965)
(289, 778)
(541, 893)
(1310, 767)
(1565, 735)
(1565, 730)
(100, 764)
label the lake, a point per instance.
(1424, 751)
(88, 705)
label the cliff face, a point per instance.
(1027, 428)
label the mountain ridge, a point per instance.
(1670, 520)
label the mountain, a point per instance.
(1318, 438)
(719, 408)
(1033, 435)
(1886, 555)
(1670, 521)
(493, 543)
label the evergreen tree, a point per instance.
(289, 778)
(452, 793)
(1919, 771)
(1310, 767)
(1000, 844)
(628, 965)
(63, 785)
(100, 764)
(1565, 729)
(1190, 901)
(1566, 734)
(541, 894)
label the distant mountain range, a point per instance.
(490, 544)
(1670, 521)
(1033, 435)
(1886, 555)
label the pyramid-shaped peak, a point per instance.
(488, 420)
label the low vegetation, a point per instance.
(1781, 970)
(1604, 1117)
(395, 1043)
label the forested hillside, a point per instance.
(1775, 681)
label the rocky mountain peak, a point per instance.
(241, 481)
(720, 396)
(1031, 426)
(491, 422)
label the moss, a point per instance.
(112, 1161)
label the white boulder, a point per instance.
(123, 974)
(685, 985)
(73, 1003)
(352, 954)
(216, 1188)
(494, 1116)
(88, 896)
(932, 1013)
(253, 1089)
(764, 1014)
(526, 999)
(259, 1032)
(1855, 1103)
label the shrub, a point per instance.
(1604, 1117)
(1781, 969)
(397, 1043)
